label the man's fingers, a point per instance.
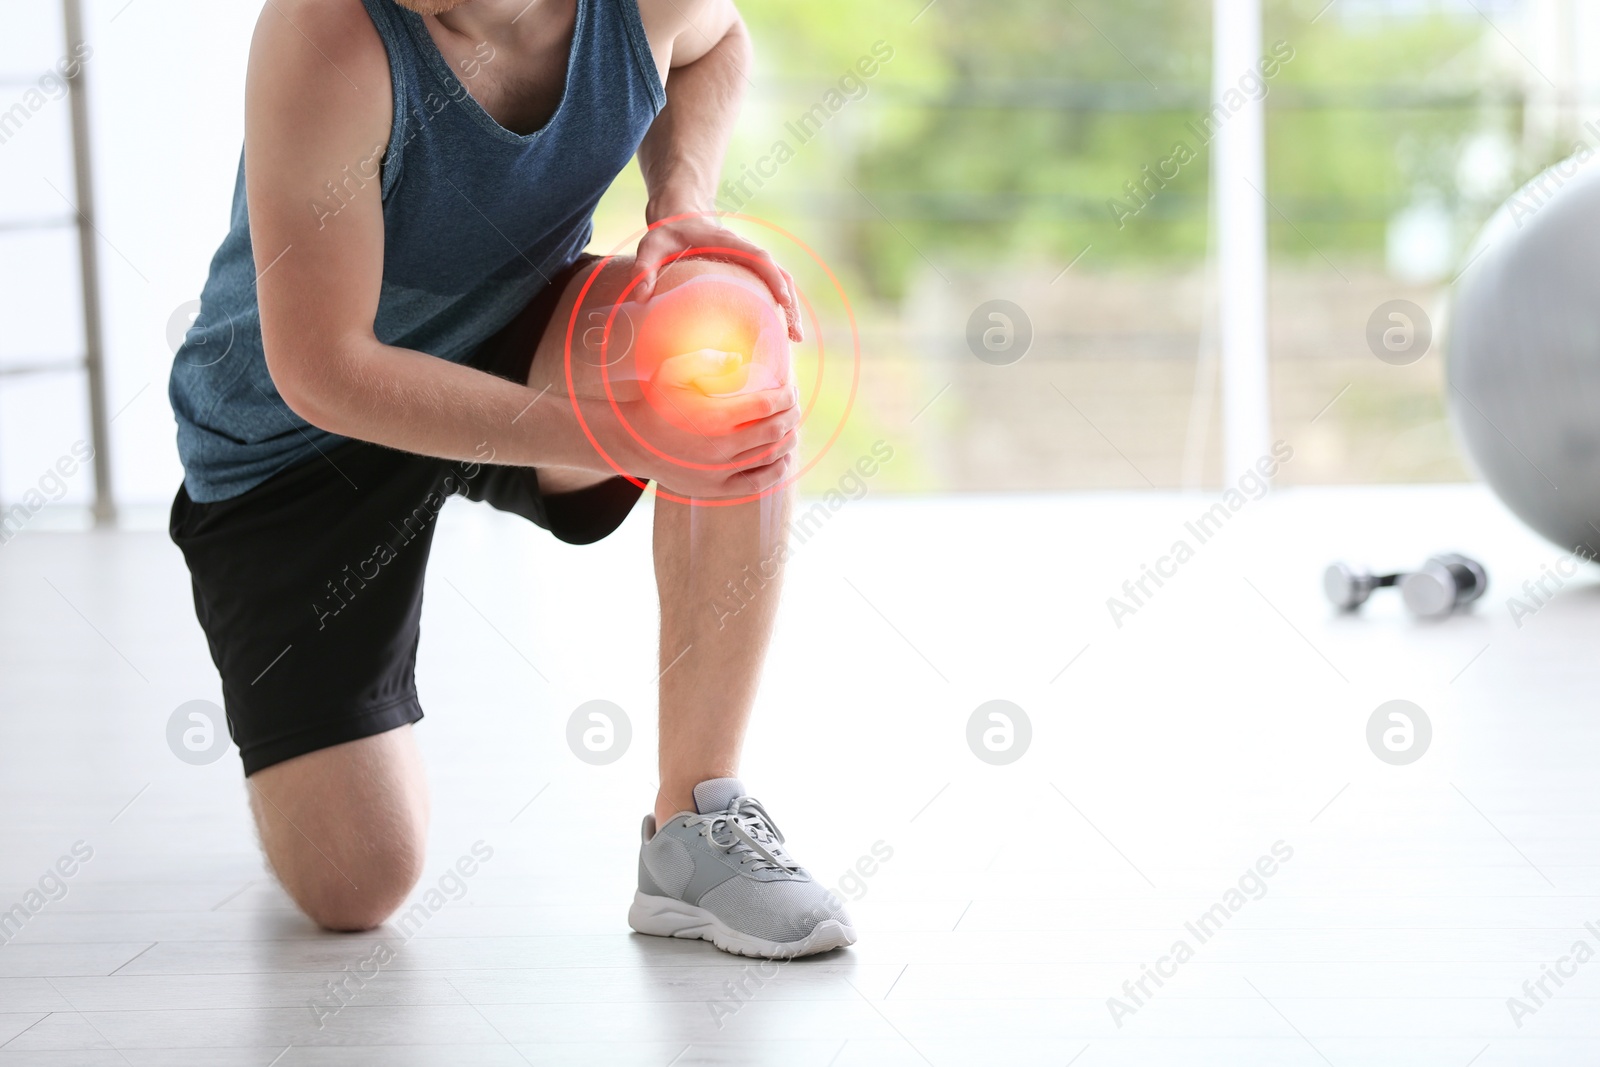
(728, 446)
(762, 455)
(760, 479)
(789, 301)
(791, 308)
(768, 429)
(776, 278)
(646, 286)
(779, 282)
(761, 404)
(657, 251)
(773, 275)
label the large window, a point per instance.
(1056, 156)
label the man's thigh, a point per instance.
(309, 589)
(345, 828)
(592, 319)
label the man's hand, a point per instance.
(667, 242)
(748, 441)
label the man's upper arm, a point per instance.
(694, 27)
(318, 109)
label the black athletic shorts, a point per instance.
(309, 586)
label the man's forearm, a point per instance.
(414, 402)
(681, 157)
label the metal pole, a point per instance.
(1239, 187)
(105, 512)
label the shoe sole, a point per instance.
(667, 917)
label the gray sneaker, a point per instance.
(721, 873)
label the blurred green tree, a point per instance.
(1001, 134)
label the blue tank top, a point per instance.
(476, 219)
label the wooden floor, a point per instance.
(1226, 718)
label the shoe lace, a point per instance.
(745, 831)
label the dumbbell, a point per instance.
(1442, 584)
(1348, 588)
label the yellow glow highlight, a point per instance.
(723, 374)
(718, 335)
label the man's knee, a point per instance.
(360, 895)
(345, 828)
(687, 311)
(744, 295)
(716, 309)
(682, 270)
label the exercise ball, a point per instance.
(1523, 363)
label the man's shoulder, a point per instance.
(310, 54)
(333, 17)
(665, 20)
(340, 33)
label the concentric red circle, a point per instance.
(720, 252)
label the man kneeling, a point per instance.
(403, 264)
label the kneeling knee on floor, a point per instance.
(358, 900)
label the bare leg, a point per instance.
(718, 573)
(345, 828)
(719, 585)
(719, 591)
(718, 577)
